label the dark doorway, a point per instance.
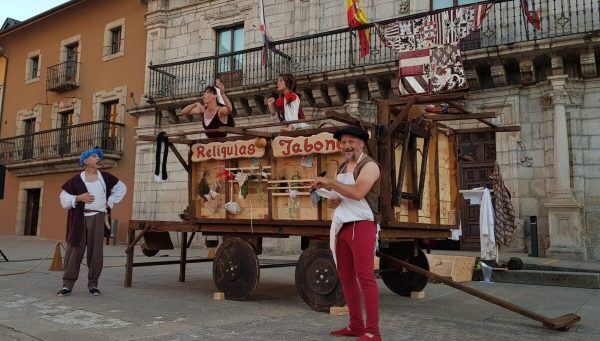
(477, 155)
(32, 211)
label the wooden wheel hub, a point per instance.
(236, 270)
(321, 277)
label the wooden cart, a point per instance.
(418, 197)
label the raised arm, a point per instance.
(228, 107)
(195, 108)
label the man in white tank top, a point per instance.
(353, 233)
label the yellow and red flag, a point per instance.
(356, 18)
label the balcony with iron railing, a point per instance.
(58, 150)
(339, 50)
(63, 77)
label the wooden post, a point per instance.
(182, 259)
(129, 261)
(433, 173)
(385, 154)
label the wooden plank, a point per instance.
(432, 175)
(414, 233)
(386, 162)
(503, 129)
(453, 166)
(452, 117)
(423, 172)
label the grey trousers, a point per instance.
(92, 238)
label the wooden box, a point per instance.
(457, 268)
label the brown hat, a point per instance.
(351, 130)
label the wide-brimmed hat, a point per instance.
(351, 130)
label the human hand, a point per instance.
(323, 182)
(333, 202)
(220, 85)
(85, 197)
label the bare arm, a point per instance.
(193, 109)
(367, 177)
(228, 106)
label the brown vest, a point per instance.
(372, 196)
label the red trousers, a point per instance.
(355, 252)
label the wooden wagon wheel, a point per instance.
(402, 281)
(147, 252)
(317, 281)
(236, 269)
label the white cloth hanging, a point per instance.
(486, 226)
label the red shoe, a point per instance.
(366, 337)
(346, 331)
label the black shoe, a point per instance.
(94, 291)
(63, 292)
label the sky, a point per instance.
(25, 9)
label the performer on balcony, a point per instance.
(287, 106)
(89, 197)
(216, 110)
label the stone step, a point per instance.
(544, 267)
(572, 279)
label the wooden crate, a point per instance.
(457, 268)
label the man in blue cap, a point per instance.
(89, 197)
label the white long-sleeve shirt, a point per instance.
(98, 190)
(290, 113)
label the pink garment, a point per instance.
(355, 249)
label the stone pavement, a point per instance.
(158, 307)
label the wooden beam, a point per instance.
(460, 107)
(150, 138)
(255, 126)
(451, 117)
(385, 154)
(345, 118)
(179, 157)
(399, 119)
(424, 99)
(488, 130)
(244, 131)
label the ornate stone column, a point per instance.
(564, 212)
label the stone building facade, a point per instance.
(545, 81)
(70, 74)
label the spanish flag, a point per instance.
(357, 17)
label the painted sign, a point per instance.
(322, 143)
(226, 150)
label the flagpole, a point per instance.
(525, 22)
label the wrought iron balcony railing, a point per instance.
(62, 77)
(339, 50)
(62, 142)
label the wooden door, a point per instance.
(477, 155)
(32, 212)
